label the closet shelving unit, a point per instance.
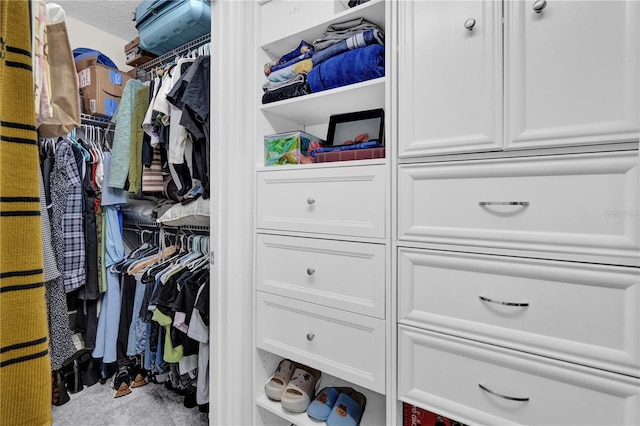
(145, 72)
(337, 319)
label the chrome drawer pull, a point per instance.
(311, 200)
(510, 398)
(310, 336)
(470, 23)
(311, 271)
(499, 302)
(539, 5)
(503, 203)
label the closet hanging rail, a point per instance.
(95, 120)
(151, 224)
(144, 69)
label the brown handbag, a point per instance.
(65, 98)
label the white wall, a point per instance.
(84, 35)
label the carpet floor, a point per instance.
(150, 405)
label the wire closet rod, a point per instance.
(93, 119)
(160, 60)
(151, 224)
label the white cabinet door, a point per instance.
(571, 73)
(449, 77)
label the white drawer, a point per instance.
(338, 201)
(588, 314)
(583, 205)
(444, 374)
(339, 274)
(340, 343)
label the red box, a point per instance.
(416, 416)
(352, 154)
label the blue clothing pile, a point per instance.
(348, 52)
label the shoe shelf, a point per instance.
(373, 411)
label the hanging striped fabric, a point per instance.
(24, 358)
(152, 179)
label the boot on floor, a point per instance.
(71, 375)
(89, 367)
(59, 395)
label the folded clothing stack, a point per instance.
(348, 52)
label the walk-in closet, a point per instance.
(307, 212)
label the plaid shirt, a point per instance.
(66, 177)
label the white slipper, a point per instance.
(276, 385)
(300, 391)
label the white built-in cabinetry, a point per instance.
(565, 76)
(518, 239)
(322, 231)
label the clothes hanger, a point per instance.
(72, 138)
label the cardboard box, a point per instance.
(101, 89)
(416, 416)
(135, 55)
(353, 154)
(290, 148)
(133, 43)
(85, 63)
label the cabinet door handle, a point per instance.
(310, 336)
(539, 5)
(510, 398)
(503, 203)
(311, 271)
(499, 302)
(470, 23)
(311, 200)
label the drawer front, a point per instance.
(339, 343)
(583, 313)
(573, 207)
(338, 201)
(339, 274)
(445, 374)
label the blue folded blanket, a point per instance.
(354, 66)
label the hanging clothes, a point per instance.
(141, 101)
(123, 134)
(61, 344)
(109, 319)
(67, 218)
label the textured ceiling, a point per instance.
(111, 16)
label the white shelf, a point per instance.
(316, 108)
(329, 164)
(374, 411)
(372, 11)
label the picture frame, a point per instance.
(346, 127)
